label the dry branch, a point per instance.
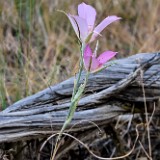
(108, 94)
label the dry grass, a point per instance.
(38, 46)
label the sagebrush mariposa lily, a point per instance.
(93, 63)
(84, 23)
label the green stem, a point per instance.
(80, 71)
(77, 93)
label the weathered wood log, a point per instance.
(109, 93)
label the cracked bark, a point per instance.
(108, 94)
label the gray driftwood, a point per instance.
(108, 94)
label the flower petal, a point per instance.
(88, 13)
(87, 51)
(108, 20)
(105, 56)
(74, 25)
(80, 26)
(94, 63)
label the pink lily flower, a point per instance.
(84, 23)
(92, 63)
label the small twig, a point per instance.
(144, 150)
(151, 117)
(149, 124)
(147, 118)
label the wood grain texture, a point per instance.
(108, 94)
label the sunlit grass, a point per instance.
(39, 47)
